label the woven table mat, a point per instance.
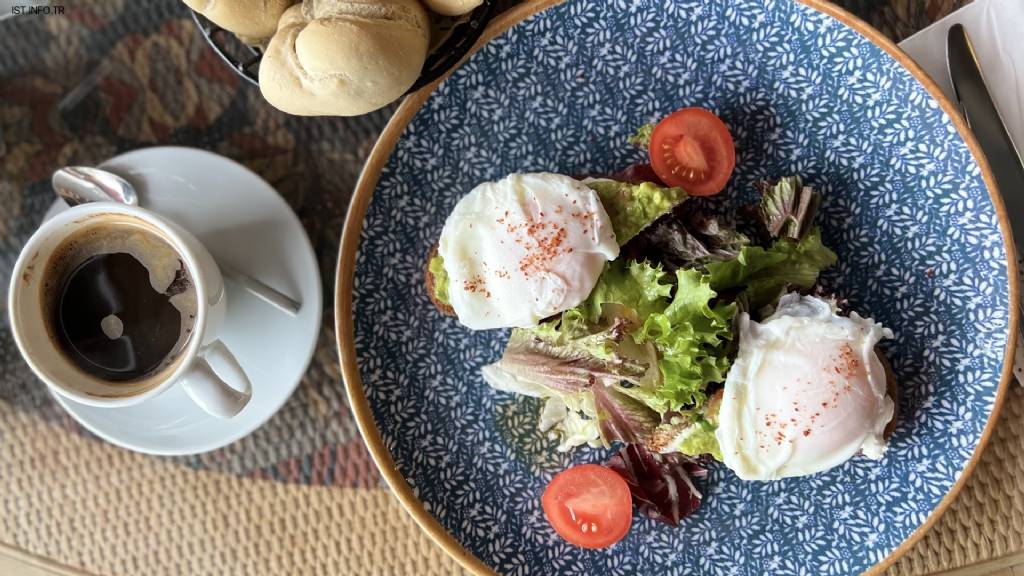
(300, 495)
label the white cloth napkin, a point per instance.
(996, 28)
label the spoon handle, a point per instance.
(261, 290)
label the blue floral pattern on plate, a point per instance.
(905, 208)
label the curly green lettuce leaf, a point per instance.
(570, 330)
(765, 272)
(632, 207)
(436, 268)
(647, 394)
(689, 334)
(787, 207)
(642, 137)
(598, 359)
(637, 286)
(691, 432)
(691, 337)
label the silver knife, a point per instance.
(1003, 158)
(988, 127)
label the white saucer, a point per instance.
(244, 223)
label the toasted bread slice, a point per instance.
(892, 390)
(428, 281)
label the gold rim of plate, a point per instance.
(368, 182)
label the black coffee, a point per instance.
(121, 303)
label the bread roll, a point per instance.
(344, 57)
(253, 21)
(452, 7)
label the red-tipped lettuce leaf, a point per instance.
(787, 208)
(660, 483)
(623, 418)
(571, 364)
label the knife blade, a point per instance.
(984, 120)
(1003, 157)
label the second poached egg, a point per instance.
(806, 392)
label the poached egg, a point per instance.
(806, 392)
(523, 248)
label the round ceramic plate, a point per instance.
(805, 89)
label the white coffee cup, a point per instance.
(191, 367)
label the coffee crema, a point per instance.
(119, 301)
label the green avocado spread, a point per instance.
(436, 267)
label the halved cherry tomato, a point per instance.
(692, 148)
(589, 505)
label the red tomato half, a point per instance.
(589, 505)
(692, 148)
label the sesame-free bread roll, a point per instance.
(452, 7)
(253, 21)
(344, 57)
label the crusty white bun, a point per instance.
(253, 21)
(452, 7)
(344, 57)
